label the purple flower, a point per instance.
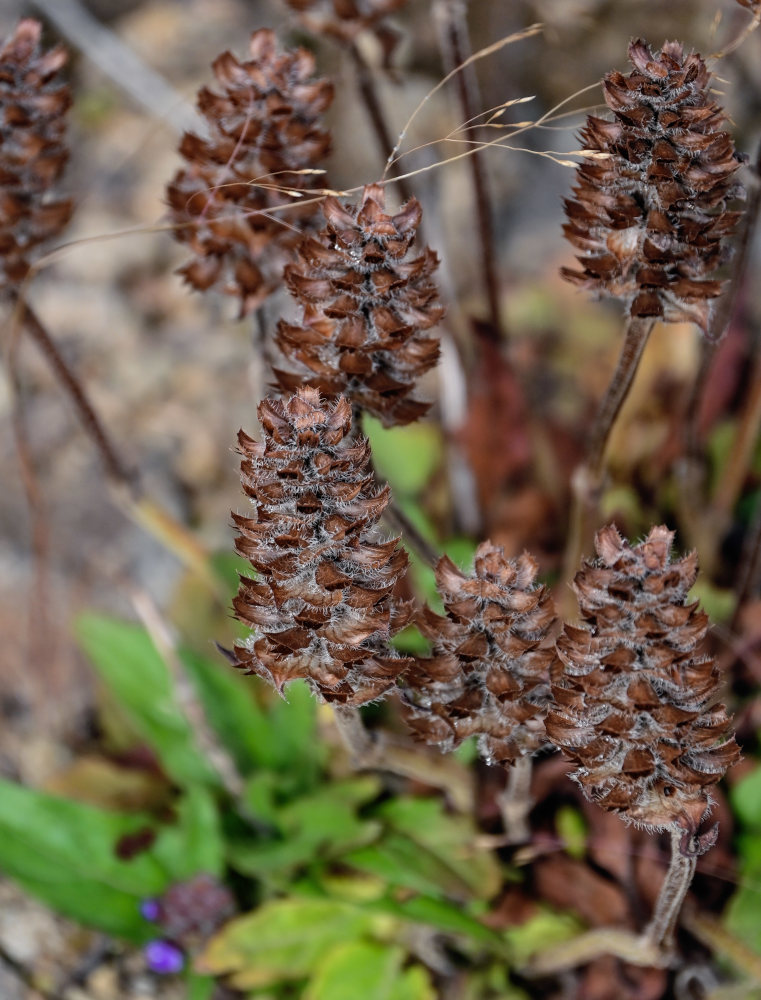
(150, 909)
(164, 957)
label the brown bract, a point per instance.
(490, 669)
(634, 694)
(189, 912)
(365, 306)
(264, 126)
(321, 606)
(33, 106)
(650, 217)
(343, 19)
(752, 5)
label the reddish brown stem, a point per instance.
(455, 46)
(91, 423)
(369, 95)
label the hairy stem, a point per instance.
(455, 48)
(630, 948)
(515, 801)
(660, 931)
(587, 480)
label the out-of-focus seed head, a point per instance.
(33, 106)
(264, 129)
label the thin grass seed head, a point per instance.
(322, 604)
(367, 305)
(634, 695)
(650, 220)
(34, 102)
(264, 129)
(489, 673)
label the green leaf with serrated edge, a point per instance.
(448, 838)
(282, 940)
(133, 670)
(370, 971)
(63, 852)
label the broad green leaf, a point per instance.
(63, 852)
(449, 839)
(200, 987)
(229, 702)
(320, 825)
(400, 861)
(133, 670)
(745, 797)
(742, 917)
(406, 456)
(282, 940)
(194, 843)
(370, 971)
(444, 916)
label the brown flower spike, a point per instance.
(321, 606)
(490, 669)
(649, 214)
(365, 307)
(343, 19)
(264, 126)
(33, 106)
(634, 695)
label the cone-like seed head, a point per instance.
(490, 669)
(365, 307)
(649, 215)
(322, 605)
(264, 125)
(343, 19)
(634, 696)
(189, 912)
(33, 106)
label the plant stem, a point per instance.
(361, 744)
(630, 948)
(660, 931)
(65, 376)
(410, 534)
(587, 479)
(369, 94)
(635, 338)
(455, 47)
(515, 801)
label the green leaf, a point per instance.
(745, 797)
(449, 839)
(63, 852)
(405, 456)
(133, 670)
(199, 987)
(572, 830)
(444, 916)
(370, 971)
(282, 940)
(539, 933)
(229, 701)
(194, 843)
(320, 825)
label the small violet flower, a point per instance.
(150, 909)
(164, 957)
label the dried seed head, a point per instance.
(322, 604)
(189, 912)
(633, 694)
(365, 306)
(33, 106)
(343, 19)
(752, 5)
(490, 669)
(264, 126)
(650, 218)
